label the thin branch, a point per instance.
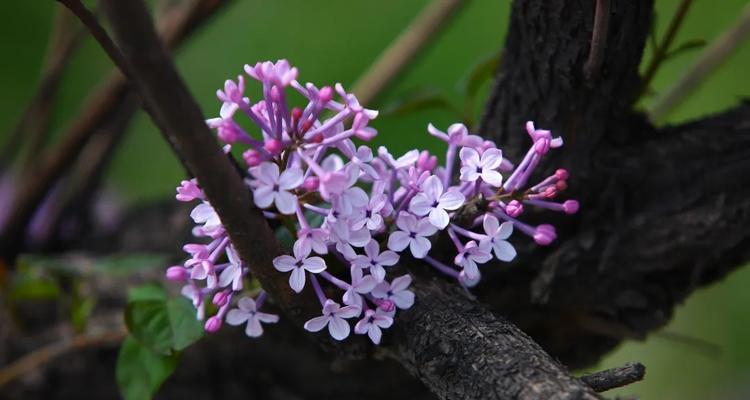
(33, 124)
(594, 62)
(170, 102)
(100, 106)
(43, 355)
(615, 377)
(710, 59)
(661, 50)
(405, 47)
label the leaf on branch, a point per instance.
(418, 100)
(161, 323)
(478, 74)
(685, 47)
(140, 371)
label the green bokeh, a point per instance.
(334, 41)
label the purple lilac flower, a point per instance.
(360, 208)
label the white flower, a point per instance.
(412, 233)
(298, 265)
(474, 167)
(270, 187)
(431, 200)
(247, 312)
(375, 260)
(333, 317)
(496, 235)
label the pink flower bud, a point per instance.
(570, 206)
(252, 158)
(425, 162)
(487, 144)
(550, 192)
(326, 94)
(296, 113)
(275, 93)
(220, 298)
(545, 234)
(561, 174)
(177, 273)
(213, 324)
(317, 138)
(311, 183)
(386, 305)
(561, 185)
(514, 208)
(274, 146)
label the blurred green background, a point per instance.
(335, 41)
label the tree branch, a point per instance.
(615, 377)
(99, 108)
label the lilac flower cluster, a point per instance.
(353, 212)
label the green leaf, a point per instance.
(140, 372)
(478, 74)
(34, 288)
(80, 313)
(417, 100)
(161, 323)
(685, 47)
(123, 264)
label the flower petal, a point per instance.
(398, 241)
(253, 328)
(420, 204)
(504, 250)
(452, 200)
(286, 202)
(506, 229)
(374, 333)
(263, 196)
(492, 158)
(284, 263)
(338, 328)
(237, 317)
(419, 246)
(490, 224)
(439, 218)
(387, 258)
(291, 178)
(492, 177)
(297, 279)
(314, 264)
(317, 323)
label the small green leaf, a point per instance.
(80, 313)
(161, 323)
(685, 47)
(478, 74)
(34, 288)
(140, 372)
(417, 100)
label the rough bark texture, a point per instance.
(663, 210)
(461, 350)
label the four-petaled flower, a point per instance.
(375, 260)
(372, 323)
(361, 284)
(204, 214)
(270, 187)
(333, 316)
(434, 202)
(247, 312)
(496, 235)
(412, 232)
(475, 166)
(298, 265)
(232, 273)
(396, 291)
(472, 254)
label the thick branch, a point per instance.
(461, 350)
(615, 377)
(662, 211)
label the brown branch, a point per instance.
(100, 106)
(45, 354)
(170, 102)
(615, 377)
(710, 59)
(397, 56)
(593, 66)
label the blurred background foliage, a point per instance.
(703, 353)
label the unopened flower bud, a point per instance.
(326, 94)
(550, 192)
(213, 324)
(514, 208)
(252, 158)
(220, 298)
(466, 281)
(545, 234)
(561, 174)
(570, 206)
(177, 273)
(386, 305)
(311, 183)
(274, 146)
(561, 185)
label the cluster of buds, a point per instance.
(354, 212)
